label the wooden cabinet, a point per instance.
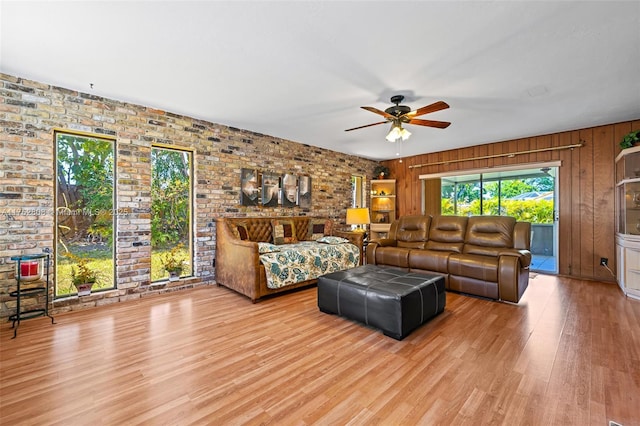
(383, 207)
(628, 221)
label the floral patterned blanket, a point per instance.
(292, 263)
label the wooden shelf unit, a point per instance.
(383, 207)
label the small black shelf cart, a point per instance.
(30, 292)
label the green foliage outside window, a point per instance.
(534, 211)
(170, 210)
(170, 192)
(467, 196)
(84, 212)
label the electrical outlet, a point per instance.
(604, 261)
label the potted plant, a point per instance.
(173, 261)
(630, 139)
(381, 172)
(82, 277)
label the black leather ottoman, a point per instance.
(385, 297)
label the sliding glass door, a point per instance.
(527, 194)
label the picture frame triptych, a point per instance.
(269, 189)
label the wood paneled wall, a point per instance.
(586, 188)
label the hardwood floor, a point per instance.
(569, 353)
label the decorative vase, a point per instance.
(30, 270)
(174, 275)
(381, 176)
(83, 289)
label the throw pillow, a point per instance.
(242, 231)
(332, 240)
(318, 228)
(283, 231)
(239, 230)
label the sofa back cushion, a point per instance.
(411, 231)
(447, 233)
(488, 235)
(259, 229)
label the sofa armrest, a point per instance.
(373, 245)
(513, 278)
(523, 255)
(237, 262)
(355, 238)
(385, 242)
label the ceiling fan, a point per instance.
(399, 114)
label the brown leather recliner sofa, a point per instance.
(486, 256)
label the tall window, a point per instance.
(171, 214)
(357, 191)
(84, 217)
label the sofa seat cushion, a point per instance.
(474, 286)
(393, 256)
(484, 268)
(307, 260)
(429, 260)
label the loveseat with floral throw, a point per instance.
(259, 256)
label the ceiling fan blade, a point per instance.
(436, 106)
(430, 123)
(377, 111)
(368, 125)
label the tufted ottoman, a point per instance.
(385, 297)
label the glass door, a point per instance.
(527, 194)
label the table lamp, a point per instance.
(358, 216)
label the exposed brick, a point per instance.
(33, 109)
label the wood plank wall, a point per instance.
(586, 188)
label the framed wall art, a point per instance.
(250, 189)
(270, 190)
(304, 192)
(289, 190)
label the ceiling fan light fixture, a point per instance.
(395, 133)
(404, 134)
(399, 114)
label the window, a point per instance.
(524, 194)
(84, 219)
(171, 213)
(357, 191)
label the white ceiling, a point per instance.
(300, 70)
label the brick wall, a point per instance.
(30, 112)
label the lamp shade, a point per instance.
(397, 132)
(358, 216)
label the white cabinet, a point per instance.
(628, 259)
(628, 221)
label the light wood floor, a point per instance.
(568, 354)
